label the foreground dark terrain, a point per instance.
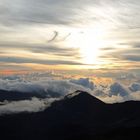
(76, 117)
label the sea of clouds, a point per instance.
(54, 89)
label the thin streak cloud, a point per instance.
(108, 29)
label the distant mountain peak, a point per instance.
(79, 100)
(83, 96)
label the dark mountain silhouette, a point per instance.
(77, 116)
(17, 95)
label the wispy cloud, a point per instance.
(38, 61)
(49, 27)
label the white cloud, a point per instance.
(112, 99)
(33, 105)
(135, 96)
(41, 86)
(117, 92)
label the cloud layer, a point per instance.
(54, 32)
(53, 89)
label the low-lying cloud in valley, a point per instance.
(33, 105)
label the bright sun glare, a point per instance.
(89, 41)
(90, 45)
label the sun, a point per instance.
(89, 42)
(90, 45)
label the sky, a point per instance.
(100, 35)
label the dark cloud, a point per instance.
(35, 12)
(118, 89)
(132, 58)
(58, 51)
(135, 45)
(6, 66)
(108, 49)
(63, 39)
(84, 82)
(135, 87)
(120, 55)
(42, 48)
(54, 37)
(37, 61)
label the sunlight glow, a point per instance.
(90, 45)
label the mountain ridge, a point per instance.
(77, 117)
